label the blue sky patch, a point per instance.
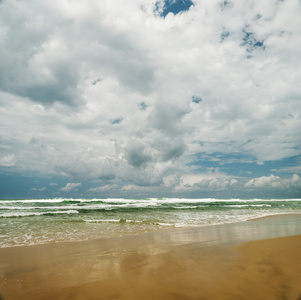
(116, 121)
(241, 165)
(257, 17)
(14, 186)
(196, 99)
(250, 42)
(142, 106)
(225, 4)
(96, 81)
(224, 35)
(172, 6)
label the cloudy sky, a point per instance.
(150, 98)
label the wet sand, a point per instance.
(260, 259)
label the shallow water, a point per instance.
(38, 221)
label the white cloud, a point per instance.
(207, 181)
(273, 181)
(42, 189)
(56, 121)
(8, 160)
(132, 187)
(70, 186)
(107, 187)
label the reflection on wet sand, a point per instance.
(186, 263)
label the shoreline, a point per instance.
(180, 263)
(44, 221)
(142, 232)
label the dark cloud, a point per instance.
(173, 151)
(35, 63)
(120, 55)
(50, 93)
(135, 156)
(166, 117)
(43, 61)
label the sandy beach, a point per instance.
(258, 259)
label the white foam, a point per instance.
(149, 201)
(249, 205)
(29, 214)
(185, 207)
(103, 221)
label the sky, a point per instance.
(150, 98)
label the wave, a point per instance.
(208, 220)
(39, 207)
(249, 205)
(146, 200)
(123, 220)
(32, 214)
(121, 203)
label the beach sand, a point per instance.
(260, 259)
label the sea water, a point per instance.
(38, 221)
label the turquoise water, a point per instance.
(38, 221)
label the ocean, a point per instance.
(40, 221)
